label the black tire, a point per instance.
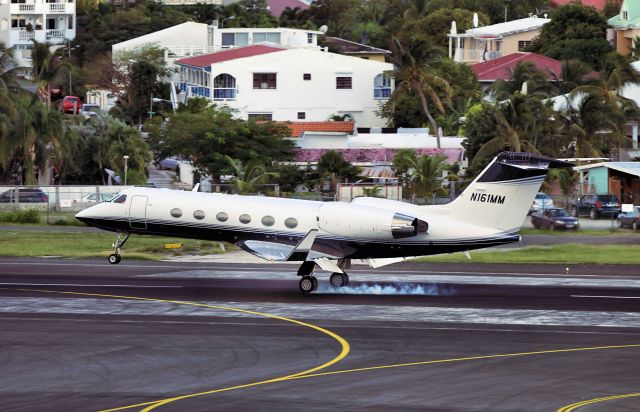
(114, 258)
(338, 280)
(593, 213)
(308, 284)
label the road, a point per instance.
(176, 336)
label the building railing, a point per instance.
(464, 55)
(190, 2)
(27, 7)
(26, 35)
(182, 51)
(57, 7)
(55, 33)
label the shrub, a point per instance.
(21, 216)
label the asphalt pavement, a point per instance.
(179, 336)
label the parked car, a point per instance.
(71, 104)
(93, 198)
(630, 219)
(597, 206)
(25, 195)
(554, 218)
(170, 163)
(542, 201)
(89, 110)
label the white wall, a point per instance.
(318, 98)
(185, 34)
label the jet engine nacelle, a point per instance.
(355, 221)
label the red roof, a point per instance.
(502, 67)
(598, 4)
(276, 7)
(298, 128)
(207, 60)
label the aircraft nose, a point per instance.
(86, 215)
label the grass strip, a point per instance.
(86, 245)
(567, 253)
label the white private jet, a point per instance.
(488, 212)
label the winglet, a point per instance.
(302, 249)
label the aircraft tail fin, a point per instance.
(503, 192)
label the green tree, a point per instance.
(402, 166)
(574, 32)
(46, 68)
(415, 56)
(427, 175)
(332, 167)
(524, 72)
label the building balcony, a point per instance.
(194, 90)
(186, 51)
(56, 34)
(39, 8)
(224, 93)
(475, 55)
(57, 7)
(190, 2)
(382, 93)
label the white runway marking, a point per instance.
(606, 297)
(418, 314)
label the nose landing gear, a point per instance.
(115, 257)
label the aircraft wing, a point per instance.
(280, 252)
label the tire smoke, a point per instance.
(419, 289)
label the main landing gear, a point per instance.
(115, 257)
(309, 283)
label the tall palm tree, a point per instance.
(524, 72)
(334, 168)
(415, 55)
(46, 68)
(427, 175)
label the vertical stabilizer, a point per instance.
(503, 192)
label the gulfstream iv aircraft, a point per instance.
(329, 235)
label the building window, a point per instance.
(234, 39)
(523, 44)
(264, 80)
(70, 25)
(310, 38)
(268, 221)
(306, 76)
(224, 87)
(260, 116)
(381, 87)
(266, 37)
(18, 23)
(176, 212)
(625, 15)
(244, 218)
(222, 217)
(302, 115)
(198, 214)
(343, 82)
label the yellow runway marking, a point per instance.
(577, 405)
(310, 373)
(154, 404)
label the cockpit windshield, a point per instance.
(119, 199)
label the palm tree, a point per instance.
(46, 68)
(415, 54)
(427, 175)
(333, 167)
(524, 72)
(249, 175)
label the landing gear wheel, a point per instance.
(338, 280)
(114, 258)
(308, 284)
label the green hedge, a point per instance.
(21, 216)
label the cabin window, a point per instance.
(291, 222)
(198, 214)
(306, 76)
(175, 212)
(244, 218)
(222, 217)
(120, 199)
(268, 221)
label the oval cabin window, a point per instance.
(198, 214)
(268, 221)
(175, 212)
(291, 222)
(222, 217)
(245, 218)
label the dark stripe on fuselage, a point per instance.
(348, 248)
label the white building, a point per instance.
(490, 42)
(21, 21)
(274, 83)
(194, 39)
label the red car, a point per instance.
(71, 104)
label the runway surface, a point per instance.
(81, 335)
